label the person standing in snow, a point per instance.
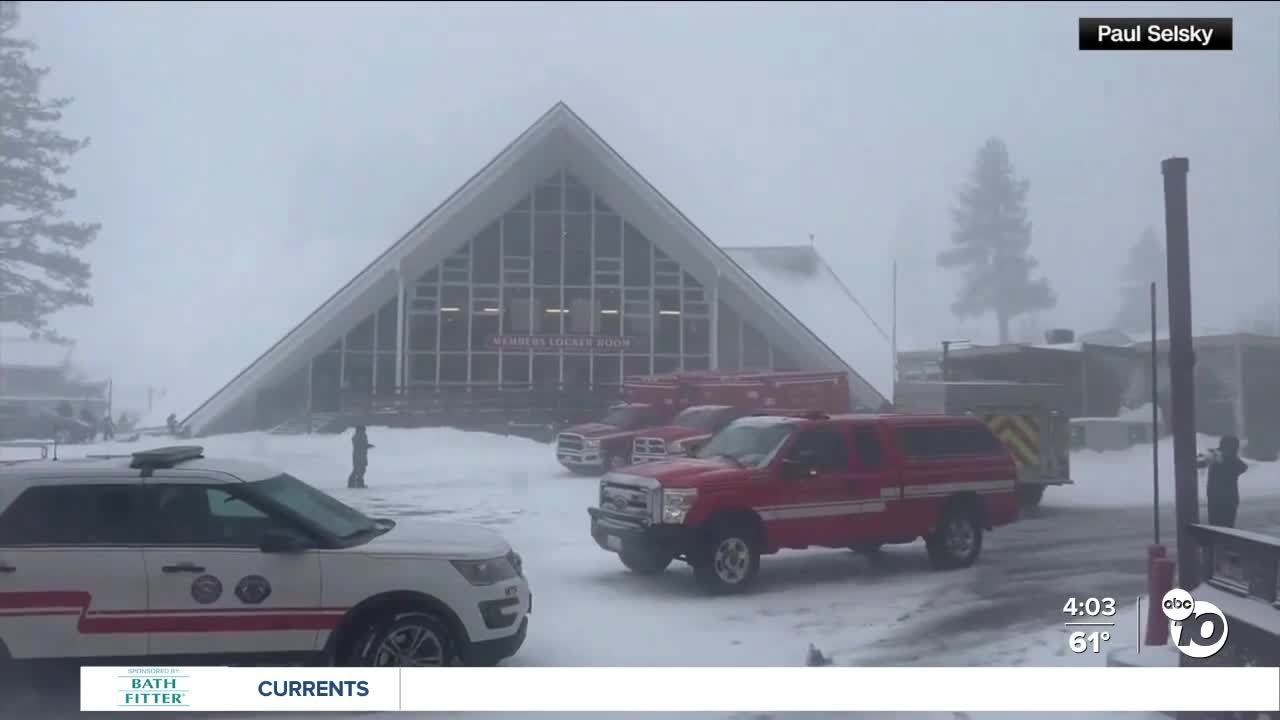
(1223, 489)
(360, 446)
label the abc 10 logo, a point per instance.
(1198, 628)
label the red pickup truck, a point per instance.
(686, 432)
(768, 483)
(653, 401)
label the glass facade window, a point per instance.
(384, 373)
(515, 367)
(577, 369)
(387, 327)
(755, 348)
(546, 369)
(454, 315)
(636, 365)
(486, 257)
(559, 262)
(577, 250)
(608, 312)
(729, 342)
(486, 321)
(422, 332)
(547, 240)
(578, 311)
(453, 368)
(637, 258)
(577, 197)
(422, 369)
(608, 239)
(608, 369)
(666, 334)
(547, 310)
(360, 339)
(484, 368)
(357, 372)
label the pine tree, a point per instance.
(1146, 265)
(40, 269)
(991, 241)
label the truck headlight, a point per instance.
(591, 444)
(676, 504)
(486, 572)
(675, 447)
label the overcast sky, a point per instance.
(247, 159)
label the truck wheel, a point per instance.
(730, 560)
(645, 561)
(957, 541)
(1029, 496)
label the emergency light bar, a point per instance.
(165, 457)
(691, 689)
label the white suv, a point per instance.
(166, 554)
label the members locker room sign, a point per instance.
(568, 343)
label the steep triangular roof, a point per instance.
(559, 137)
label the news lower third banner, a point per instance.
(727, 690)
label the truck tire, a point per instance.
(730, 560)
(957, 540)
(1029, 496)
(645, 561)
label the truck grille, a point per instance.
(625, 499)
(569, 441)
(648, 449)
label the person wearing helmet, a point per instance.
(1222, 491)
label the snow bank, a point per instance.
(1123, 478)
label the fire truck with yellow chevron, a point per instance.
(1029, 418)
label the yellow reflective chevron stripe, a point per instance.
(1019, 433)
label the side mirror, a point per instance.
(276, 541)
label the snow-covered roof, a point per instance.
(560, 139)
(798, 278)
(17, 349)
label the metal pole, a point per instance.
(1181, 368)
(946, 349)
(1155, 421)
(893, 333)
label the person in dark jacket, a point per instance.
(359, 457)
(1223, 490)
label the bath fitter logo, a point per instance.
(151, 687)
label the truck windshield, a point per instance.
(700, 418)
(625, 418)
(748, 445)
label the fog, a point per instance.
(247, 159)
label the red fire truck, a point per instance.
(653, 402)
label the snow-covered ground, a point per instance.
(1123, 478)
(590, 612)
